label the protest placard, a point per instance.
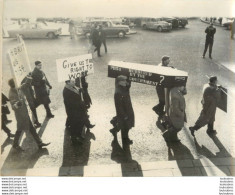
(148, 74)
(19, 60)
(70, 68)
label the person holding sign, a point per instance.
(40, 84)
(124, 110)
(22, 117)
(159, 108)
(211, 95)
(76, 110)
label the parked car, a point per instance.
(173, 21)
(110, 28)
(155, 24)
(182, 21)
(35, 30)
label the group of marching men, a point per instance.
(77, 101)
(172, 117)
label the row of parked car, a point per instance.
(40, 29)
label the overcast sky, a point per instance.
(116, 8)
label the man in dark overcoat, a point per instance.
(75, 109)
(124, 110)
(40, 84)
(17, 101)
(211, 94)
(96, 40)
(210, 31)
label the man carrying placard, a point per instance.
(124, 111)
(159, 108)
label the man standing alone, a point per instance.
(210, 31)
(40, 84)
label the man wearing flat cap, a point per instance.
(40, 84)
(159, 108)
(124, 110)
(210, 31)
(211, 94)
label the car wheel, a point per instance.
(183, 25)
(121, 34)
(51, 35)
(88, 35)
(144, 27)
(159, 29)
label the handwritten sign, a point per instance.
(19, 62)
(148, 74)
(72, 67)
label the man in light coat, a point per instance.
(177, 115)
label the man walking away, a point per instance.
(210, 32)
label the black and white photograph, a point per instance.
(118, 88)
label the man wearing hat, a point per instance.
(159, 108)
(22, 117)
(211, 94)
(210, 31)
(124, 110)
(40, 84)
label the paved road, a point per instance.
(185, 46)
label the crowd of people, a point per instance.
(35, 88)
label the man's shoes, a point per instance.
(211, 132)
(203, 57)
(192, 131)
(128, 141)
(210, 57)
(37, 124)
(10, 135)
(90, 126)
(99, 55)
(43, 145)
(18, 148)
(50, 116)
